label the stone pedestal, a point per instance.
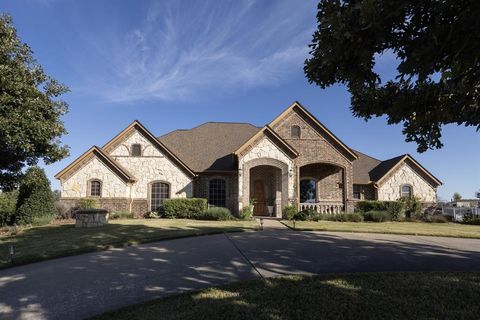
(91, 219)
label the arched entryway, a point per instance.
(265, 183)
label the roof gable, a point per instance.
(317, 125)
(136, 125)
(389, 166)
(95, 151)
(276, 139)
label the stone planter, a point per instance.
(91, 218)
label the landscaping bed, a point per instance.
(408, 228)
(439, 295)
(56, 240)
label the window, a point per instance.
(295, 132)
(159, 191)
(136, 150)
(356, 192)
(308, 191)
(95, 188)
(217, 193)
(406, 191)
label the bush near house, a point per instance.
(184, 208)
(246, 213)
(289, 211)
(88, 203)
(377, 216)
(470, 218)
(215, 213)
(8, 201)
(312, 215)
(121, 215)
(35, 204)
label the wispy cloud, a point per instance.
(181, 50)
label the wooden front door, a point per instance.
(260, 208)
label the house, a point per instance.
(293, 159)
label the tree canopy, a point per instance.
(437, 47)
(30, 111)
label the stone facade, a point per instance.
(390, 189)
(91, 220)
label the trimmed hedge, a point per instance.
(396, 209)
(184, 208)
(215, 213)
(121, 215)
(289, 211)
(377, 216)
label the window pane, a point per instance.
(406, 191)
(356, 192)
(136, 150)
(159, 192)
(308, 191)
(95, 188)
(217, 193)
(295, 132)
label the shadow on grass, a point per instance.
(348, 296)
(47, 242)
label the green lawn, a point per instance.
(47, 242)
(413, 228)
(349, 296)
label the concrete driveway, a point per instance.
(80, 286)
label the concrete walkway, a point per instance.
(80, 286)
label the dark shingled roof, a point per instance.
(210, 146)
(362, 168)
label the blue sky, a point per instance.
(177, 64)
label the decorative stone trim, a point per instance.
(91, 219)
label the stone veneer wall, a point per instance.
(316, 147)
(151, 166)
(76, 185)
(390, 188)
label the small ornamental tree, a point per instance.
(457, 196)
(36, 203)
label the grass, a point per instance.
(410, 228)
(349, 296)
(52, 241)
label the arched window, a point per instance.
(295, 132)
(406, 191)
(136, 150)
(159, 191)
(217, 193)
(308, 191)
(95, 187)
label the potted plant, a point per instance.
(252, 203)
(270, 206)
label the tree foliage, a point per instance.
(36, 203)
(457, 196)
(30, 111)
(436, 44)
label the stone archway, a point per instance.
(275, 178)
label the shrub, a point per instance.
(183, 208)
(289, 211)
(435, 218)
(413, 207)
(377, 216)
(8, 201)
(35, 204)
(371, 205)
(88, 203)
(152, 215)
(396, 209)
(215, 213)
(470, 218)
(307, 215)
(121, 215)
(246, 213)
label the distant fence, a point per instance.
(457, 213)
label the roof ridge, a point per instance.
(366, 155)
